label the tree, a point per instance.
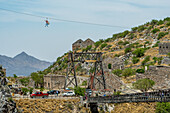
(31, 90)
(135, 60)
(155, 59)
(127, 50)
(117, 72)
(162, 107)
(38, 79)
(161, 34)
(155, 30)
(128, 72)
(102, 46)
(24, 90)
(84, 83)
(168, 55)
(139, 52)
(109, 66)
(25, 81)
(140, 71)
(79, 91)
(15, 76)
(160, 60)
(143, 84)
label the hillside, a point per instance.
(145, 37)
(22, 64)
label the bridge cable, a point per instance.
(72, 21)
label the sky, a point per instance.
(19, 32)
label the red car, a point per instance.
(39, 94)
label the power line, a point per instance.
(28, 14)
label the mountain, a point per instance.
(22, 64)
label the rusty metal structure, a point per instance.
(97, 78)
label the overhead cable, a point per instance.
(52, 18)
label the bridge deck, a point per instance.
(163, 96)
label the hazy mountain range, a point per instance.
(22, 64)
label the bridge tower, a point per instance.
(98, 78)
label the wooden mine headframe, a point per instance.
(95, 57)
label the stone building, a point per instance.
(82, 44)
(164, 48)
(116, 63)
(159, 74)
(53, 81)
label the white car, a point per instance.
(69, 93)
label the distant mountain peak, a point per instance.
(21, 54)
(23, 64)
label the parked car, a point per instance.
(39, 94)
(69, 93)
(53, 92)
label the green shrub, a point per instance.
(150, 27)
(108, 46)
(140, 71)
(117, 72)
(117, 55)
(126, 62)
(141, 28)
(127, 50)
(120, 42)
(167, 19)
(131, 36)
(97, 44)
(139, 52)
(168, 55)
(84, 83)
(135, 60)
(31, 90)
(161, 34)
(155, 59)
(143, 84)
(160, 22)
(117, 93)
(128, 72)
(109, 66)
(168, 24)
(134, 29)
(155, 30)
(162, 107)
(147, 58)
(125, 43)
(102, 46)
(107, 40)
(79, 91)
(153, 22)
(24, 90)
(147, 42)
(159, 60)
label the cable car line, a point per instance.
(62, 19)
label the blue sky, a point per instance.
(27, 33)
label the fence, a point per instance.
(48, 97)
(159, 96)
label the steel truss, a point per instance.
(97, 79)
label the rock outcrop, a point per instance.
(7, 105)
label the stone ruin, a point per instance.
(164, 48)
(7, 105)
(159, 74)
